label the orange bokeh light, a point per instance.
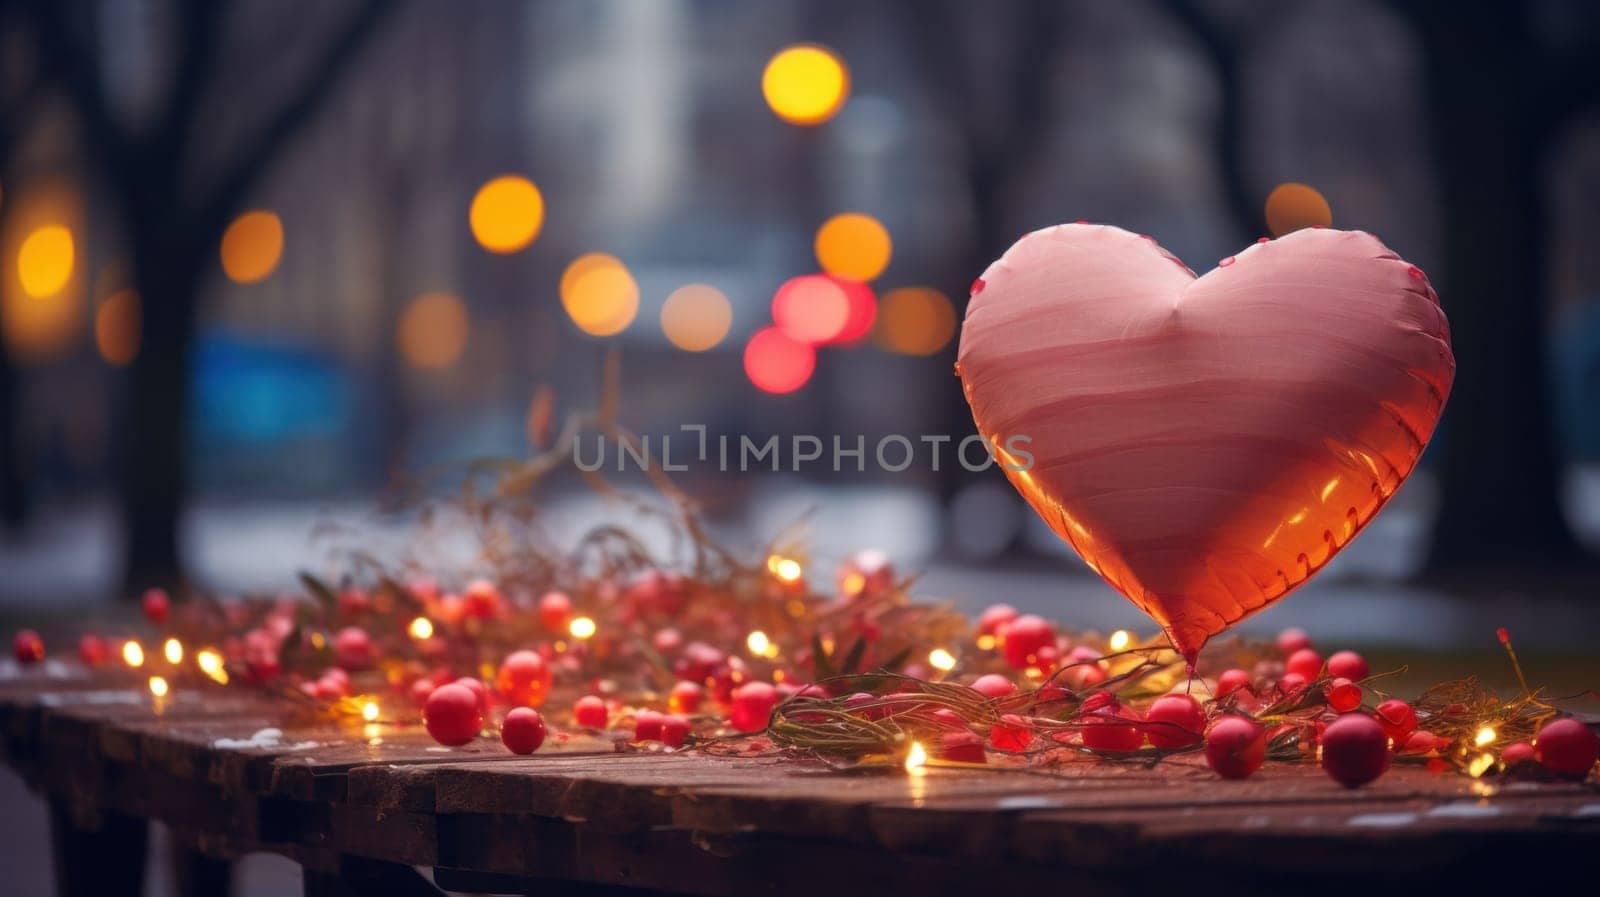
(696, 317)
(118, 327)
(812, 308)
(853, 245)
(599, 293)
(45, 261)
(915, 321)
(805, 84)
(506, 214)
(433, 330)
(776, 363)
(1293, 206)
(252, 246)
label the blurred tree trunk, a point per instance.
(170, 232)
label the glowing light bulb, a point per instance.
(210, 663)
(421, 628)
(158, 686)
(369, 711)
(1485, 736)
(1119, 640)
(941, 660)
(1480, 764)
(581, 628)
(758, 643)
(133, 653)
(173, 650)
(987, 642)
(786, 569)
(916, 759)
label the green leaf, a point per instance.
(852, 661)
(821, 660)
(319, 590)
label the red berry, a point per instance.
(480, 600)
(479, 691)
(1355, 750)
(1518, 753)
(522, 730)
(1235, 747)
(28, 647)
(685, 697)
(994, 685)
(945, 718)
(1424, 742)
(961, 746)
(420, 690)
(1175, 721)
(674, 730)
(523, 679)
(1397, 719)
(1012, 733)
(865, 574)
(1348, 664)
(647, 725)
(1112, 729)
(994, 618)
(1343, 695)
(1566, 746)
(452, 715)
(1293, 639)
(1024, 637)
(157, 606)
(1233, 680)
(1291, 685)
(752, 706)
(93, 650)
(590, 711)
(353, 649)
(353, 601)
(1305, 663)
(554, 609)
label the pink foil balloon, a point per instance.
(1205, 444)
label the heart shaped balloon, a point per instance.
(1205, 444)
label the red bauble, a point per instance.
(27, 647)
(554, 609)
(1293, 639)
(1397, 719)
(157, 606)
(994, 618)
(752, 706)
(420, 691)
(1024, 638)
(1235, 747)
(647, 725)
(1305, 663)
(590, 711)
(674, 730)
(1349, 665)
(523, 730)
(1518, 753)
(1175, 721)
(699, 662)
(1112, 728)
(961, 746)
(452, 715)
(1343, 695)
(685, 697)
(1422, 741)
(1355, 750)
(93, 650)
(1012, 733)
(994, 685)
(524, 679)
(353, 649)
(480, 600)
(480, 691)
(655, 592)
(1566, 746)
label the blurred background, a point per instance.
(269, 264)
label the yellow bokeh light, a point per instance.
(173, 649)
(1480, 764)
(581, 628)
(133, 654)
(758, 643)
(599, 294)
(158, 686)
(118, 327)
(369, 711)
(433, 330)
(252, 246)
(1119, 640)
(941, 660)
(786, 569)
(696, 317)
(44, 263)
(210, 663)
(805, 84)
(916, 759)
(1485, 736)
(853, 245)
(1292, 206)
(506, 213)
(915, 321)
(421, 628)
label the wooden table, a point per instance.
(362, 810)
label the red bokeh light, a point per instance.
(863, 309)
(776, 363)
(812, 308)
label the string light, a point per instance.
(786, 569)
(758, 643)
(916, 759)
(173, 650)
(133, 653)
(1485, 736)
(210, 663)
(581, 628)
(1480, 765)
(941, 660)
(369, 711)
(421, 628)
(1119, 640)
(987, 642)
(158, 686)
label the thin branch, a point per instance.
(71, 57)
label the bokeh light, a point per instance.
(44, 263)
(118, 327)
(433, 330)
(252, 246)
(776, 363)
(853, 245)
(863, 309)
(812, 308)
(506, 213)
(696, 317)
(599, 294)
(915, 321)
(805, 84)
(1293, 206)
